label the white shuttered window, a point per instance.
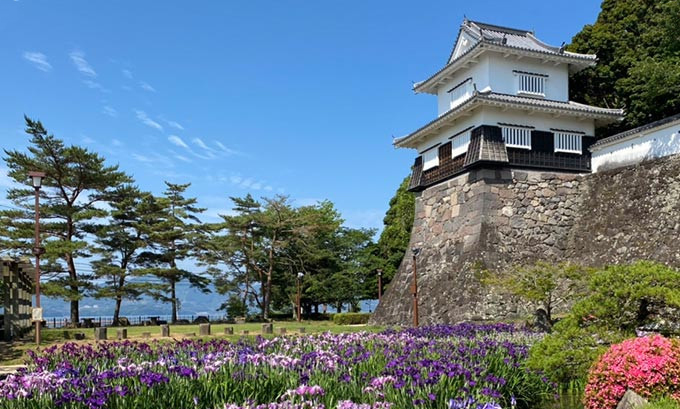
(516, 137)
(461, 93)
(430, 158)
(459, 144)
(568, 142)
(533, 84)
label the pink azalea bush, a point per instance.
(649, 366)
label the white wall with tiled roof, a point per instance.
(650, 144)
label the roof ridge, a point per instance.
(495, 27)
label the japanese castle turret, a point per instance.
(503, 101)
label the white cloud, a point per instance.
(175, 125)
(183, 158)
(141, 158)
(247, 183)
(95, 85)
(201, 144)
(107, 110)
(39, 60)
(88, 140)
(78, 58)
(116, 142)
(146, 87)
(176, 140)
(142, 116)
(127, 74)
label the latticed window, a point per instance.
(461, 92)
(516, 137)
(530, 83)
(430, 159)
(459, 144)
(568, 142)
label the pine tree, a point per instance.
(76, 181)
(173, 240)
(120, 242)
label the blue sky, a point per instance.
(292, 97)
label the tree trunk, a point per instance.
(338, 307)
(75, 315)
(267, 297)
(173, 295)
(116, 311)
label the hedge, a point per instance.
(351, 318)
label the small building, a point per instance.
(503, 100)
(16, 289)
(654, 140)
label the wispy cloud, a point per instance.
(127, 74)
(107, 110)
(95, 85)
(226, 150)
(146, 87)
(175, 125)
(39, 60)
(142, 116)
(154, 159)
(116, 142)
(78, 58)
(176, 140)
(5, 180)
(248, 183)
(88, 140)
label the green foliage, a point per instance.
(544, 284)
(76, 181)
(264, 245)
(638, 46)
(235, 307)
(666, 403)
(620, 299)
(393, 242)
(351, 318)
(120, 242)
(172, 238)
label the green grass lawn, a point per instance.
(15, 353)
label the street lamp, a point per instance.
(299, 295)
(37, 178)
(414, 286)
(379, 285)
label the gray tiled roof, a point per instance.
(509, 39)
(631, 132)
(493, 98)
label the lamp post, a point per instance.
(379, 285)
(37, 178)
(414, 286)
(299, 295)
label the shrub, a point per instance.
(649, 366)
(351, 318)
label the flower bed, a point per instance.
(462, 367)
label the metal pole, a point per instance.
(299, 315)
(37, 261)
(414, 290)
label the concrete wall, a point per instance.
(497, 218)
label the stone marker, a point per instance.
(204, 329)
(146, 335)
(267, 328)
(165, 330)
(631, 400)
(282, 331)
(302, 330)
(191, 334)
(244, 332)
(229, 331)
(100, 333)
(79, 336)
(121, 333)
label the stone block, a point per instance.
(268, 328)
(245, 332)
(229, 331)
(79, 336)
(204, 329)
(190, 334)
(100, 333)
(165, 330)
(121, 333)
(282, 331)
(146, 335)
(631, 400)
(302, 330)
